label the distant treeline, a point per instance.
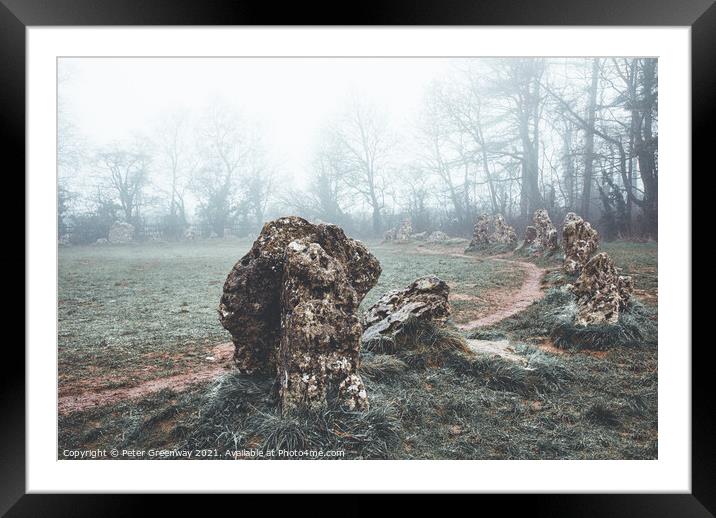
(504, 136)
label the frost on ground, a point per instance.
(132, 314)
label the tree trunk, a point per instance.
(589, 140)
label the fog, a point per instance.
(113, 99)
(222, 144)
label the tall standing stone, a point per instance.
(320, 332)
(250, 307)
(580, 241)
(545, 241)
(481, 232)
(601, 292)
(502, 233)
(404, 231)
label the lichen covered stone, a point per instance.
(545, 241)
(580, 241)
(250, 307)
(319, 348)
(491, 231)
(404, 231)
(601, 292)
(425, 299)
(502, 232)
(121, 233)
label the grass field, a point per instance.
(127, 314)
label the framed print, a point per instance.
(428, 245)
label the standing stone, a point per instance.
(189, 233)
(404, 231)
(530, 235)
(503, 233)
(490, 231)
(426, 299)
(121, 233)
(481, 232)
(250, 307)
(320, 333)
(545, 241)
(601, 292)
(580, 241)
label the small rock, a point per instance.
(437, 237)
(426, 299)
(121, 233)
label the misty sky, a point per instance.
(110, 99)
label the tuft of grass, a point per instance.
(553, 316)
(634, 328)
(236, 413)
(600, 414)
(541, 374)
(424, 344)
(382, 367)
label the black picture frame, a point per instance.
(700, 15)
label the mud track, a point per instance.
(510, 303)
(90, 398)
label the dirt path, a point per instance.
(90, 397)
(511, 303)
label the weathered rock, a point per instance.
(250, 307)
(419, 236)
(437, 237)
(190, 233)
(502, 233)
(389, 235)
(320, 333)
(121, 233)
(404, 231)
(530, 235)
(426, 298)
(490, 231)
(601, 292)
(579, 240)
(545, 241)
(481, 232)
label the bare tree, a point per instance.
(178, 160)
(365, 148)
(589, 138)
(440, 150)
(126, 170)
(223, 147)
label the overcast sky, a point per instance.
(291, 98)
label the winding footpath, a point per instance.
(515, 302)
(511, 303)
(221, 354)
